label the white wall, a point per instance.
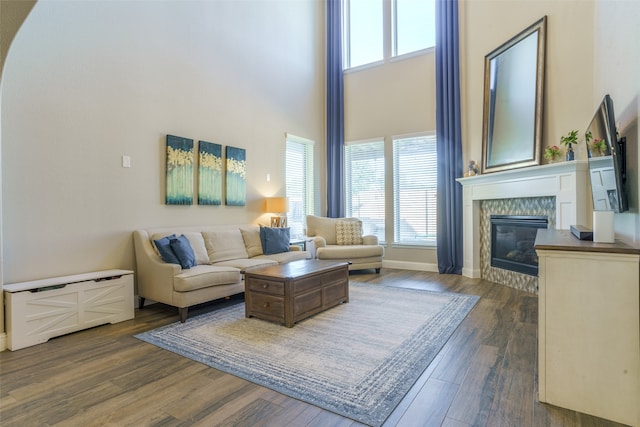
(87, 82)
(617, 72)
(487, 24)
(592, 49)
(393, 99)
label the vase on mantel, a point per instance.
(570, 154)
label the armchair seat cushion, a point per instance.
(350, 251)
(204, 276)
(341, 239)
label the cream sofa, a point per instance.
(342, 239)
(222, 253)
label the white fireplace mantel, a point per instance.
(568, 182)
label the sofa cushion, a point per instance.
(205, 276)
(274, 240)
(197, 244)
(252, 242)
(163, 246)
(284, 257)
(349, 251)
(183, 251)
(349, 232)
(244, 264)
(224, 245)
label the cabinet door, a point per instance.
(589, 333)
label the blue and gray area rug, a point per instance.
(357, 359)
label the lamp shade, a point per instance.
(277, 204)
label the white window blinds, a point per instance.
(364, 179)
(415, 184)
(299, 182)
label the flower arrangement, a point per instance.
(598, 146)
(552, 152)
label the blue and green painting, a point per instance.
(236, 194)
(179, 170)
(209, 173)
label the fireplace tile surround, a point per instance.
(559, 191)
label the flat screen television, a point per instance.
(607, 160)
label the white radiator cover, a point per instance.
(39, 310)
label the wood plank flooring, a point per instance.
(484, 376)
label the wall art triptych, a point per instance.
(180, 172)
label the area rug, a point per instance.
(358, 359)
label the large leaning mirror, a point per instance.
(513, 100)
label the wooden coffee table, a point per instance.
(288, 293)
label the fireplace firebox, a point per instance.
(512, 239)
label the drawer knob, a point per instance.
(265, 305)
(265, 286)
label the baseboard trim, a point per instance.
(3, 341)
(407, 265)
(471, 273)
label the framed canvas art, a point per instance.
(209, 173)
(236, 193)
(179, 171)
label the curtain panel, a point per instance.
(449, 144)
(335, 112)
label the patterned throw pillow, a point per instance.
(349, 232)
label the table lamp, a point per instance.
(279, 205)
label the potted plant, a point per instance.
(552, 153)
(568, 140)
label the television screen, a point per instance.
(606, 160)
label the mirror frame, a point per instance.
(529, 157)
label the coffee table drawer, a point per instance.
(267, 306)
(267, 286)
(335, 293)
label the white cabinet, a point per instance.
(42, 309)
(589, 326)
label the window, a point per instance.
(415, 190)
(299, 182)
(376, 30)
(414, 24)
(364, 179)
(363, 32)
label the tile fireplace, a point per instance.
(559, 191)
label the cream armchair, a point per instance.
(341, 239)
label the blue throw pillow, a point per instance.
(274, 240)
(183, 251)
(164, 247)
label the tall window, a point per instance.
(414, 25)
(364, 179)
(363, 32)
(415, 190)
(299, 182)
(376, 30)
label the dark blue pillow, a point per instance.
(274, 240)
(183, 251)
(164, 247)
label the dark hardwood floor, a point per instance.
(484, 376)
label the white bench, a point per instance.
(41, 309)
